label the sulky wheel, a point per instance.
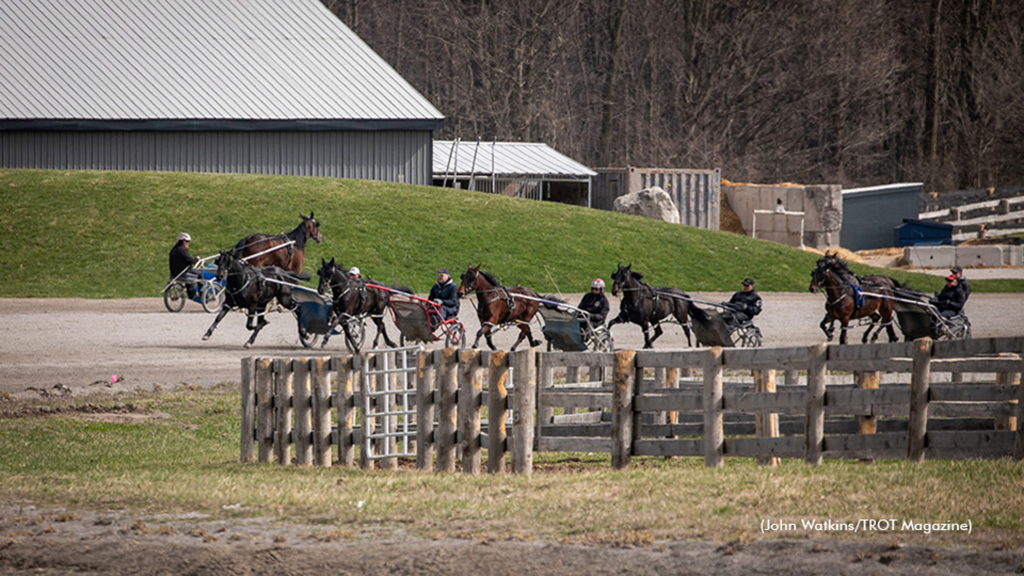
(175, 296)
(212, 297)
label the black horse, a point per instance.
(647, 306)
(252, 289)
(354, 298)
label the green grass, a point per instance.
(106, 235)
(188, 463)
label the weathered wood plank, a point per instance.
(766, 424)
(574, 444)
(247, 443)
(524, 399)
(780, 447)
(674, 400)
(669, 358)
(919, 382)
(264, 409)
(470, 403)
(669, 447)
(579, 359)
(283, 402)
(320, 383)
(972, 409)
(447, 389)
(764, 358)
(787, 402)
(345, 405)
(303, 402)
(582, 418)
(995, 439)
(426, 371)
(714, 445)
(896, 441)
(971, 393)
(555, 397)
(815, 414)
(497, 411)
(622, 408)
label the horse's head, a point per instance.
(620, 277)
(311, 227)
(469, 281)
(225, 262)
(326, 273)
(819, 276)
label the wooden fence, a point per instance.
(732, 408)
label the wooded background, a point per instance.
(817, 91)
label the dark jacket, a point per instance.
(597, 306)
(448, 295)
(951, 299)
(746, 303)
(179, 259)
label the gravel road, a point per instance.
(82, 343)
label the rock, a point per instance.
(652, 202)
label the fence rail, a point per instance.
(644, 403)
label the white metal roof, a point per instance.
(505, 158)
(233, 60)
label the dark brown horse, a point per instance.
(354, 298)
(849, 297)
(647, 306)
(252, 289)
(498, 306)
(286, 251)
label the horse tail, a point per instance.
(295, 275)
(402, 289)
(699, 314)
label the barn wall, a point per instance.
(393, 156)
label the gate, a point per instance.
(389, 403)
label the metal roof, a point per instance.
(505, 158)
(175, 60)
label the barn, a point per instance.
(231, 86)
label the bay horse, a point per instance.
(498, 305)
(353, 298)
(289, 256)
(647, 306)
(845, 299)
(251, 289)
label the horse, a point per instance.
(498, 305)
(251, 289)
(287, 251)
(846, 301)
(353, 298)
(647, 306)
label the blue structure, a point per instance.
(871, 215)
(921, 233)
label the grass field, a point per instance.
(107, 234)
(183, 458)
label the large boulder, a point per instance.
(652, 203)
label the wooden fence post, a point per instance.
(345, 403)
(766, 424)
(919, 385)
(1009, 423)
(814, 425)
(264, 409)
(303, 402)
(321, 382)
(672, 381)
(524, 397)
(248, 437)
(283, 401)
(497, 410)
(622, 408)
(868, 424)
(448, 390)
(714, 435)
(470, 402)
(428, 364)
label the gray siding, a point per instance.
(394, 156)
(696, 193)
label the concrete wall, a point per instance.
(822, 207)
(992, 256)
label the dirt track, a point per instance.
(82, 343)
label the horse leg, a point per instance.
(220, 316)
(260, 323)
(686, 330)
(657, 333)
(844, 327)
(830, 329)
(382, 330)
(331, 326)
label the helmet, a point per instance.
(353, 271)
(184, 236)
(597, 283)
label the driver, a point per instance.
(595, 303)
(180, 263)
(354, 273)
(743, 305)
(950, 301)
(446, 294)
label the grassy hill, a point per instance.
(107, 234)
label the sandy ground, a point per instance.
(77, 345)
(81, 344)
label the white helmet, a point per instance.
(597, 283)
(184, 236)
(353, 271)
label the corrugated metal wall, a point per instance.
(696, 193)
(392, 156)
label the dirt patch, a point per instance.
(117, 412)
(61, 542)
